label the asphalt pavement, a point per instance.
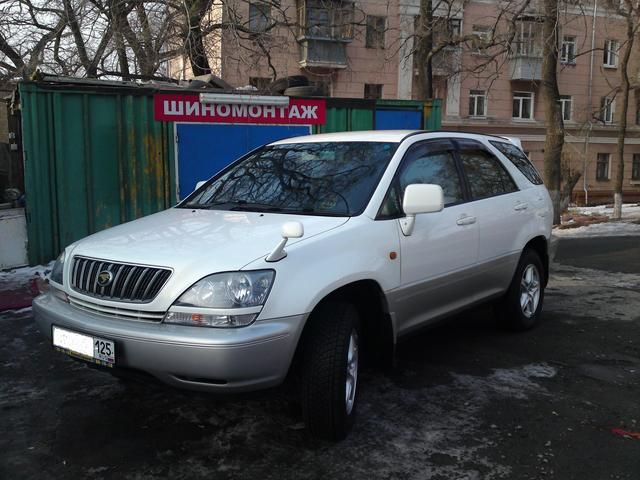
(465, 401)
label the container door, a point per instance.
(205, 149)
(398, 120)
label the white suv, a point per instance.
(303, 255)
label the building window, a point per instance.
(635, 167)
(481, 38)
(260, 83)
(602, 166)
(372, 90)
(523, 105)
(259, 16)
(326, 20)
(375, 31)
(566, 107)
(607, 109)
(568, 50)
(477, 103)
(527, 38)
(455, 27)
(610, 57)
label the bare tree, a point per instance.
(554, 139)
(630, 11)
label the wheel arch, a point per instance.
(540, 245)
(377, 328)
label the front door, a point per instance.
(436, 259)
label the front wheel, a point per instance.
(521, 306)
(330, 366)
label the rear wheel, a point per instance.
(330, 366)
(520, 308)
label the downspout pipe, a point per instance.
(585, 184)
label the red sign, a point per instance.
(188, 108)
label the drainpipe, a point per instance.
(590, 95)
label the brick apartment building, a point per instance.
(365, 49)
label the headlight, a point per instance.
(231, 299)
(56, 272)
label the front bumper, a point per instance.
(198, 358)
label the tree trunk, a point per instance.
(622, 130)
(553, 114)
(195, 40)
(423, 46)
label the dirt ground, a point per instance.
(466, 401)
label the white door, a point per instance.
(438, 257)
(503, 214)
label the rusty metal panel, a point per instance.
(94, 157)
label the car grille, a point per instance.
(116, 312)
(130, 283)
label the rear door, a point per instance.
(502, 213)
(438, 256)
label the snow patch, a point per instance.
(607, 229)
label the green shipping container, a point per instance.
(347, 115)
(94, 157)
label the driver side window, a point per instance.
(423, 165)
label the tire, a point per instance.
(304, 91)
(520, 308)
(280, 85)
(330, 363)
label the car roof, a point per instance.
(394, 136)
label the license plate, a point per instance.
(94, 349)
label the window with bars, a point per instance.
(372, 90)
(376, 26)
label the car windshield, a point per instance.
(329, 178)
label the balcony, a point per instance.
(323, 52)
(525, 67)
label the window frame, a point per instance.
(261, 8)
(376, 86)
(375, 37)
(565, 57)
(482, 147)
(635, 167)
(473, 97)
(395, 181)
(607, 110)
(608, 167)
(610, 53)
(515, 96)
(564, 100)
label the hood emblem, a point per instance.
(105, 278)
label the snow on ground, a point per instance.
(630, 211)
(629, 225)
(606, 229)
(24, 274)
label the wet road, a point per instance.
(466, 401)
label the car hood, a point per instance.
(196, 243)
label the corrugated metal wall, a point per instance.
(94, 157)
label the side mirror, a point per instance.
(420, 198)
(289, 230)
(199, 184)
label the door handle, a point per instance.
(466, 220)
(520, 206)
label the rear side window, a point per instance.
(486, 175)
(520, 160)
